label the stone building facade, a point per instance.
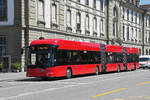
(116, 22)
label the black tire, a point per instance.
(68, 73)
(118, 68)
(96, 70)
(44, 78)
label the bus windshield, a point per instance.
(40, 59)
(40, 56)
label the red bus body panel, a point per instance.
(132, 51)
(111, 48)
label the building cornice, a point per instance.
(66, 33)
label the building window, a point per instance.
(127, 14)
(95, 24)
(140, 35)
(78, 1)
(146, 52)
(101, 27)
(2, 47)
(132, 15)
(148, 36)
(139, 19)
(115, 29)
(54, 14)
(115, 22)
(132, 32)
(3, 10)
(123, 12)
(94, 3)
(140, 51)
(115, 12)
(41, 10)
(87, 26)
(128, 33)
(68, 18)
(102, 5)
(87, 22)
(135, 17)
(132, 1)
(136, 35)
(87, 2)
(123, 33)
(78, 21)
(147, 21)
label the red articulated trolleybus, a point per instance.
(58, 57)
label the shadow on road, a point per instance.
(61, 78)
(51, 79)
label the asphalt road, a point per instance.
(132, 85)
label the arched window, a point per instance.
(115, 12)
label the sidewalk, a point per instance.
(12, 76)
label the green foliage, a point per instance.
(0, 65)
(16, 66)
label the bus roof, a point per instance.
(67, 44)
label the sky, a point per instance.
(142, 2)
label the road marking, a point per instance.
(113, 91)
(118, 99)
(141, 97)
(143, 83)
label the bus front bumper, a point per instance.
(39, 73)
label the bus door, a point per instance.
(103, 58)
(124, 58)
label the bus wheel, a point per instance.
(68, 73)
(96, 70)
(118, 69)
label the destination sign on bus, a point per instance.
(40, 48)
